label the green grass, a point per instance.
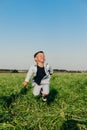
(66, 108)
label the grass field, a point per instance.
(66, 108)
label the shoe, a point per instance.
(44, 99)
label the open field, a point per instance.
(66, 108)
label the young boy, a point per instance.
(41, 76)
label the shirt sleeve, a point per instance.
(50, 70)
(29, 73)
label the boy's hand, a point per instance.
(25, 83)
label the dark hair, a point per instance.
(37, 53)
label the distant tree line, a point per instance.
(69, 71)
(55, 71)
(8, 71)
(12, 71)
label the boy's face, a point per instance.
(40, 58)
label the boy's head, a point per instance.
(39, 57)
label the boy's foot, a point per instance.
(44, 99)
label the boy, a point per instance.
(41, 73)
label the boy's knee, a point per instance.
(35, 94)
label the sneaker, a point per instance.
(44, 99)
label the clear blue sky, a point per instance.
(58, 27)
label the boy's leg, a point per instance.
(45, 88)
(36, 90)
(45, 92)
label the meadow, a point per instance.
(66, 108)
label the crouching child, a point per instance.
(41, 72)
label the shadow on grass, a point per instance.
(8, 100)
(6, 116)
(53, 94)
(72, 125)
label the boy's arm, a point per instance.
(28, 76)
(50, 70)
